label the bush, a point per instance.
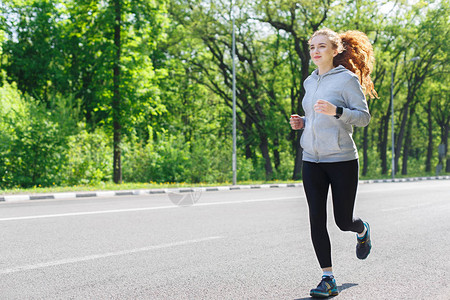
(32, 149)
(171, 159)
(89, 158)
(162, 161)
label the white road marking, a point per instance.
(393, 208)
(406, 206)
(104, 255)
(139, 209)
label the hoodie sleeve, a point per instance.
(357, 112)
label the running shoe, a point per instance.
(326, 288)
(364, 244)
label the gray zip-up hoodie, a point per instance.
(325, 138)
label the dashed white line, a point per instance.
(406, 206)
(138, 209)
(103, 255)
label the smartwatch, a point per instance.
(339, 111)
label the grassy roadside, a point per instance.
(109, 186)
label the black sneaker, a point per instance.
(326, 288)
(364, 244)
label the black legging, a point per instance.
(343, 177)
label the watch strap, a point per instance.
(339, 111)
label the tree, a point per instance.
(116, 101)
(121, 35)
(33, 46)
(157, 90)
(299, 21)
(257, 87)
(440, 104)
(427, 48)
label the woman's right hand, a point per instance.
(296, 122)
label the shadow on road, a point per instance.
(340, 288)
(346, 286)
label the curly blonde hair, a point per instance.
(355, 53)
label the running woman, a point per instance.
(334, 102)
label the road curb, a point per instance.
(411, 179)
(19, 198)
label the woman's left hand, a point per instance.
(325, 107)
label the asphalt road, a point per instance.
(244, 244)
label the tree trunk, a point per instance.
(383, 133)
(246, 133)
(276, 153)
(406, 148)
(264, 146)
(365, 150)
(430, 137)
(401, 132)
(407, 144)
(116, 102)
(445, 142)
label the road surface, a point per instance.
(240, 244)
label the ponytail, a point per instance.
(358, 57)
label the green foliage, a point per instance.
(57, 58)
(89, 159)
(33, 45)
(32, 149)
(164, 162)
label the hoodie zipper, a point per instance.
(320, 78)
(313, 125)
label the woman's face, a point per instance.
(321, 51)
